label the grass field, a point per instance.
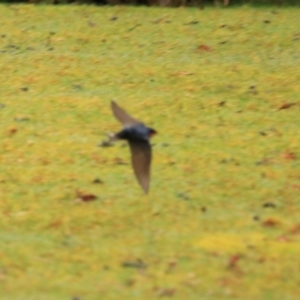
(221, 86)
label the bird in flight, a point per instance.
(138, 136)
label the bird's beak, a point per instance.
(152, 133)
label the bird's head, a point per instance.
(152, 132)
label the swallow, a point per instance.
(138, 136)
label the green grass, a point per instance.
(222, 218)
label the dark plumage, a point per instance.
(137, 135)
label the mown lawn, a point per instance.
(221, 86)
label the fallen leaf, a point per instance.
(288, 155)
(233, 260)
(270, 222)
(183, 73)
(164, 292)
(286, 106)
(283, 238)
(171, 265)
(12, 130)
(296, 186)
(130, 282)
(91, 24)
(85, 197)
(203, 209)
(119, 161)
(295, 229)
(204, 48)
(183, 196)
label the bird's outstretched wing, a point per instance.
(124, 118)
(141, 161)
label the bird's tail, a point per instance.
(109, 142)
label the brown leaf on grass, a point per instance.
(98, 159)
(38, 179)
(164, 292)
(91, 24)
(261, 260)
(296, 36)
(204, 48)
(230, 281)
(191, 280)
(295, 229)
(55, 224)
(270, 222)
(288, 155)
(183, 73)
(265, 161)
(283, 238)
(203, 209)
(222, 103)
(233, 260)
(286, 106)
(85, 197)
(44, 161)
(171, 265)
(12, 130)
(119, 161)
(130, 282)
(160, 19)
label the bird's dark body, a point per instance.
(138, 133)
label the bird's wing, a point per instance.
(124, 118)
(141, 160)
